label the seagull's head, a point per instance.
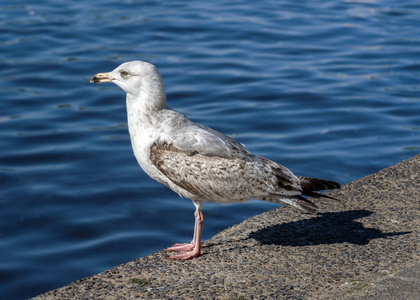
(136, 78)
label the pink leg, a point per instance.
(193, 249)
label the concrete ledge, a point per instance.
(366, 247)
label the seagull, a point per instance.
(197, 162)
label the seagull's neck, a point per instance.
(146, 103)
(149, 96)
(144, 108)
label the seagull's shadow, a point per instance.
(326, 228)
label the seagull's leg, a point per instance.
(182, 247)
(193, 249)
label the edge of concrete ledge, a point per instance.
(363, 247)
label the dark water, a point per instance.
(327, 88)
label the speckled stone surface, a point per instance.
(363, 247)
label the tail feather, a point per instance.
(310, 188)
(314, 184)
(296, 201)
(319, 195)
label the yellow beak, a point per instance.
(101, 77)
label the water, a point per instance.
(327, 88)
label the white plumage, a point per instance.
(196, 161)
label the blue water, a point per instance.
(327, 88)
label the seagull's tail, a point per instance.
(310, 187)
(296, 201)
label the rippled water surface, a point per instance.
(327, 88)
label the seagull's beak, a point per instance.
(101, 77)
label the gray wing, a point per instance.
(221, 179)
(214, 167)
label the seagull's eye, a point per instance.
(124, 73)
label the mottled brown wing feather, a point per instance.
(215, 178)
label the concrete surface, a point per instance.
(366, 247)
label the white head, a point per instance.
(140, 80)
